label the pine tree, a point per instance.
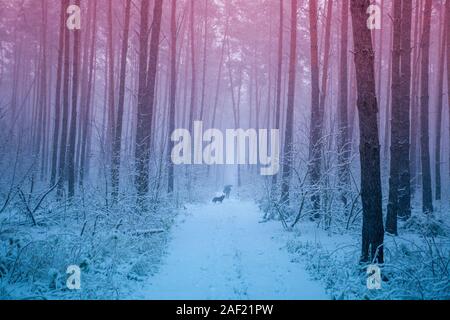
(117, 142)
(372, 230)
(427, 196)
(288, 140)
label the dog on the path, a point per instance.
(218, 199)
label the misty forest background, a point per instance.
(86, 117)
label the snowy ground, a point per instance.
(213, 251)
(221, 251)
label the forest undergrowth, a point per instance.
(113, 246)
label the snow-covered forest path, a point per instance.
(221, 251)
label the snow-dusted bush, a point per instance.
(111, 245)
(416, 267)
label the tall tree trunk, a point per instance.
(62, 30)
(65, 115)
(86, 137)
(388, 101)
(279, 75)
(84, 88)
(380, 63)
(372, 230)
(440, 98)
(173, 90)
(344, 145)
(415, 109)
(117, 142)
(143, 118)
(288, 140)
(193, 97)
(15, 79)
(396, 122)
(404, 189)
(146, 95)
(110, 130)
(235, 101)
(42, 124)
(205, 42)
(73, 120)
(427, 195)
(447, 31)
(193, 67)
(326, 59)
(324, 84)
(316, 116)
(219, 74)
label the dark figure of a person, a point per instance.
(227, 191)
